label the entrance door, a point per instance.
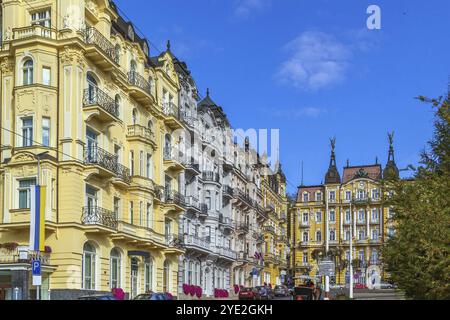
(134, 277)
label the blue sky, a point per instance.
(313, 70)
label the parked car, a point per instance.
(387, 285)
(249, 294)
(281, 291)
(98, 297)
(266, 292)
(359, 286)
(151, 296)
(303, 293)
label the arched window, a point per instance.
(150, 125)
(332, 235)
(89, 266)
(305, 237)
(166, 276)
(92, 88)
(115, 269)
(27, 72)
(148, 274)
(118, 103)
(135, 117)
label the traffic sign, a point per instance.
(36, 267)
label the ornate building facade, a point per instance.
(324, 214)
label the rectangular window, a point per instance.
(361, 216)
(131, 212)
(149, 216)
(332, 195)
(347, 216)
(332, 216)
(318, 196)
(116, 207)
(132, 163)
(46, 132)
(141, 163)
(375, 215)
(25, 193)
(375, 194)
(305, 197)
(305, 257)
(46, 74)
(318, 216)
(148, 276)
(140, 214)
(348, 195)
(27, 132)
(149, 163)
(42, 18)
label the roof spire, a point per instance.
(207, 92)
(348, 163)
(332, 175)
(168, 45)
(391, 171)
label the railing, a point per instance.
(225, 220)
(174, 197)
(361, 222)
(159, 192)
(270, 208)
(106, 160)
(135, 79)
(32, 31)
(192, 240)
(226, 252)
(172, 155)
(19, 256)
(189, 120)
(174, 241)
(269, 229)
(171, 110)
(242, 227)
(95, 37)
(244, 197)
(192, 165)
(211, 176)
(140, 131)
(95, 96)
(304, 224)
(192, 202)
(227, 190)
(99, 216)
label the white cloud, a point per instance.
(245, 8)
(317, 60)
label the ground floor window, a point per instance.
(89, 266)
(148, 275)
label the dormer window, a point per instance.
(319, 196)
(131, 33)
(305, 197)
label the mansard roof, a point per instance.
(373, 172)
(208, 103)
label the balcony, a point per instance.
(362, 241)
(211, 177)
(98, 216)
(227, 191)
(25, 256)
(158, 192)
(34, 31)
(243, 198)
(347, 222)
(107, 164)
(242, 256)
(192, 167)
(190, 121)
(242, 228)
(270, 208)
(226, 222)
(97, 104)
(361, 222)
(172, 115)
(192, 241)
(374, 221)
(304, 224)
(192, 204)
(361, 201)
(140, 133)
(174, 197)
(226, 253)
(99, 49)
(174, 241)
(375, 241)
(140, 88)
(173, 160)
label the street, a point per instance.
(386, 294)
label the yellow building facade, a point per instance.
(326, 217)
(81, 94)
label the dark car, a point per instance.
(152, 296)
(281, 291)
(98, 297)
(265, 292)
(303, 293)
(249, 294)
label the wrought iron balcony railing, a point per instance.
(95, 37)
(99, 216)
(135, 79)
(270, 229)
(159, 192)
(174, 241)
(95, 96)
(189, 119)
(227, 191)
(174, 197)
(211, 176)
(173, 154)
(243, 227)
(97, 156)
(171, 110)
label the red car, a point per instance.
(360, 286)
(249, 294)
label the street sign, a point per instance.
(36, 267)
(37, 280)
(326, 268)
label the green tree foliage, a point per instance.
(417, 256)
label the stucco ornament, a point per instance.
(7, 65)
